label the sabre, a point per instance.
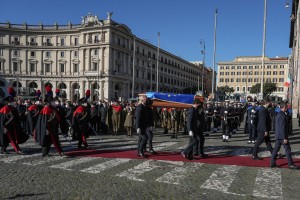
(71, 145)
(94, 131)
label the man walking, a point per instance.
(264, 127)
(282, 137)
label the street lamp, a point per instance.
(202, 44)
(150, 64)
(263, 54)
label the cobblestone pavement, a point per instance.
(31, 176)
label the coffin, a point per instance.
(171, 100)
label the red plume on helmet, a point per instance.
(38, 93)
(49, 92)
(11, 92)
(87, 94)
(57, 92)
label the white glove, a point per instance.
(138, 131)
(225, 111)
(150, 128)
(206, 111)
(191, 133)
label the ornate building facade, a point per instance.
(244, 72)
(96, 55)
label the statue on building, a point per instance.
(109, 15)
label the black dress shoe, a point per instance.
(184, 155)
(152, 152)
(203, 155)
(294, 167)
(256, 158)
(196, 154)
(224, 140)
(142, 155)
(279, 155)
(273, 165)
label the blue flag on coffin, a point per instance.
(171, 97)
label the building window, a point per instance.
(275, 66)
(256, 67)
(250, 80)
(238, 80)
(1, 39)
(221, 73)
(62, 54)
(75, 54)
(233, 73)
(280, 89)
(268, 66)
(227, 73)
(96, 39)
(47, 67)
(48, 54)
(48, 42)
(248, 89)
(274, 80)
(15, 66)
(75, 67)
(281, 66)
(274, 72)
(281, 73)
(232, 80)
(62, 41)
(76, 41)
(1, 64)
(244, 67)
(95, 52)
(237, 89)
(232, 67)
(222, 67)
(32, 67)
(16, 53)
(221, 80)
(250, 67)
(238, 73)
(244, 73)
(32, 54)
(227, 67)
(268, 80)
(62, 67)
(255, 80)
(281, 80)
(244, 80)
(268, 73)
(238, 67)
(95, 66)
(244, 89)
(1, 52)
(256, 73)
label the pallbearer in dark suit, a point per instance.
(141, 115)
(192, 127)
(264, 127)
(282, 137)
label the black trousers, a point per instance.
(142, 142)
(194, 140)
(288, 153)
(252, 132)
(150, 138)
(199, 147)
(260, 139)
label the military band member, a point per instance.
(252, 121)
(165, 120)
(209, 115)
(175, 121)
(116, 117)
(226, 114)
(184, 121)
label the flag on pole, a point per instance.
(287, 83)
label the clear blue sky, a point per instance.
(181, 23)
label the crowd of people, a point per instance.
(46, 119)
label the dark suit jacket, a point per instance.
(192, 116)
(264, 120)
(281, 126)
(141, 117)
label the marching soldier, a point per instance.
(252, 120)
(165, 116)
(184, 121)
(226, 113)
(209, 116)
(116, 117)
(175, 121)
(129, 118)
(80, 124)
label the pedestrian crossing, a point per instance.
(267, 184)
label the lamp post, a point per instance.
(78, 72)
(263, 54)
(214, 60)
(157, 63)
(202, 44)
(133, 69)
(18, 71)
(150, 64)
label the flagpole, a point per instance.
(158, 35)
(214, 60)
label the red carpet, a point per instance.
(176, 156)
